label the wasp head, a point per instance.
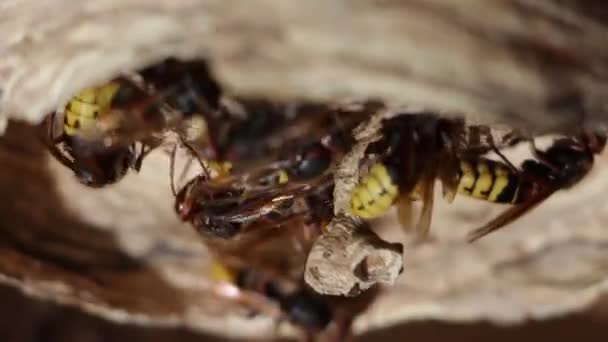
(103, 167)
(572, 159)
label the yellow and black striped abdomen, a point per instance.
(84, 108)
(488, 180)
(375, 193)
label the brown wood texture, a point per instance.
(121, 253)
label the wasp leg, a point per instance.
(198, 158)
(143, 152)
(542, 157)
(51, 142)
(172, 170)
(51, 130)
(185, 169)
(449, 177)
(60, 156)
(503, 158)
(507, 217)
(423, 226)
(404, 212)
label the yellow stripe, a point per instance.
(105, 94)
(371, 201)
(283, 177)
(70, 131)
(374, 187)
(358, 205)
(217, 168)
(384, 203)
(380, 172)
(220, 272)
(87, 95)
(375, 193)
(501, 182)
(84, 109)
(467, 179)
(364, 195)
(355, 202)
(72, 120)
(484, 181)
(377, 209)
(383, 198)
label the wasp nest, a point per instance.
(121, 253)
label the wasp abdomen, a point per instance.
(488, 180)
(82, 111)
(375, 193)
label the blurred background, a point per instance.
(26, 320)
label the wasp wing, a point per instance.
(423, 226)
(405, 213)
(507, 217)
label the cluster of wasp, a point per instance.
(266, 185)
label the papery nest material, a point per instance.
(349, 257)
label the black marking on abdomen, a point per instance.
(510, 193)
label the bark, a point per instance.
(537, 65)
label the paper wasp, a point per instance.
(109, 129)
(418, 149)
(561, 166)
(266, 197)
(271, 194)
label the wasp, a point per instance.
(265, 273)
(418, 149)
(80, 147)
(109, 129)
(266, 277)
(269, 195)
(270, 128)
(279, 298)
(563, 165)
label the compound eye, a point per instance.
(312, 162)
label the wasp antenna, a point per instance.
(51, 124)
(185, 170)
(50, 134)
(51, 143)
(503, 157)
(143, 152)
(195, 155)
